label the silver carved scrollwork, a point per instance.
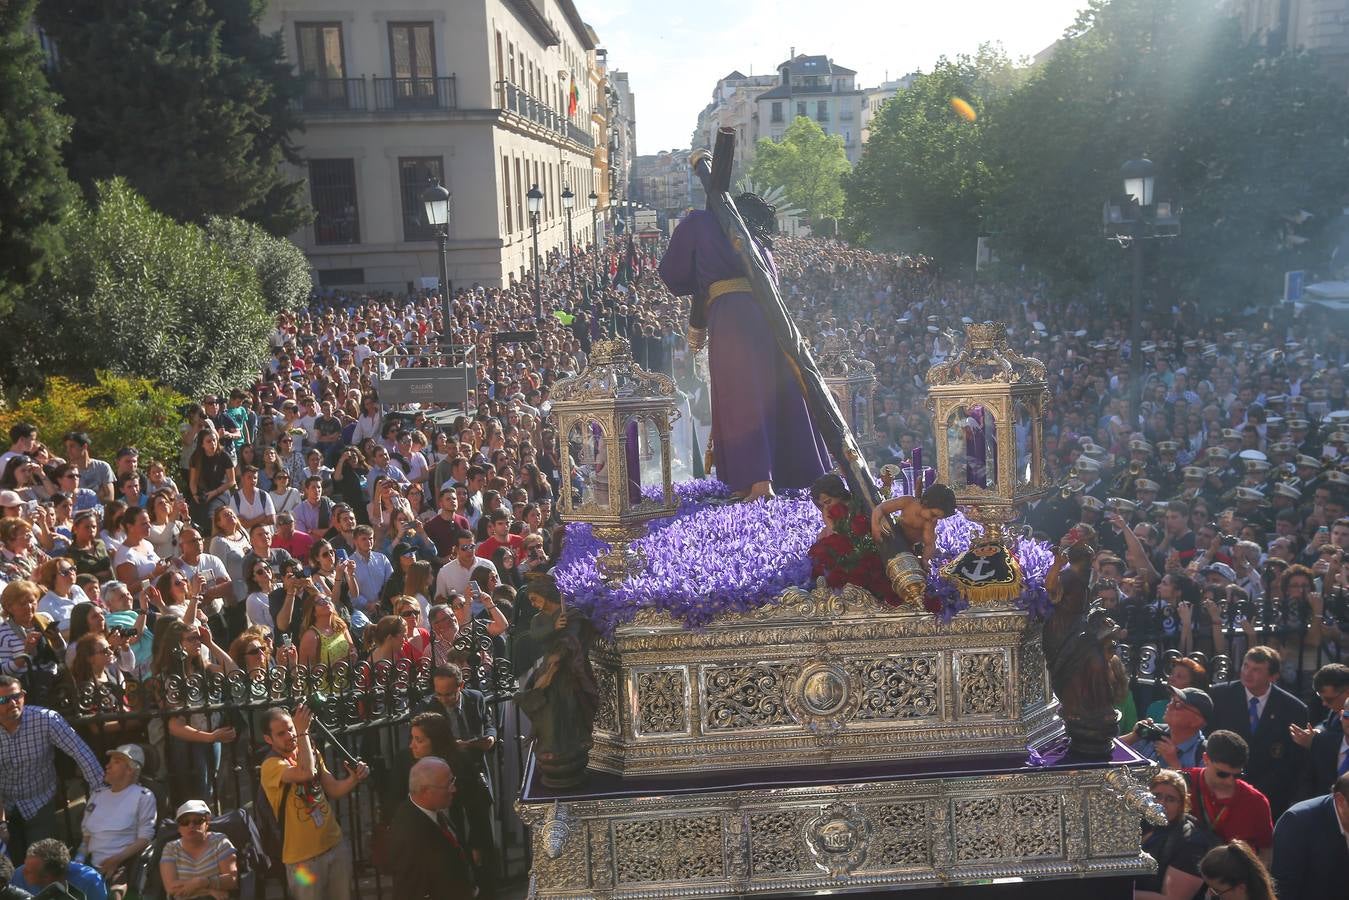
(901, 835)
(606, 713)
(747, 696)
(838, 838)
(1020, 827)
(824, 696)
(662, 702)
(774, 847)
(671, 849)
(981, 680)
(899, 687)
(1032, 672)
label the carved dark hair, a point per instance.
(760, 216)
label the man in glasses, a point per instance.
(455, 575)
(1224, 803)
(29, 739)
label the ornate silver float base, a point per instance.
(818, 678)
(910, 833)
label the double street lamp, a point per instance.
(534, 199)
(1129, 221)
(436, 201)
(569, 201)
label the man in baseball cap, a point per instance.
(1178, 743)
(119, 819)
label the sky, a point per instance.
(675, 50)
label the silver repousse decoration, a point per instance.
(838, 838)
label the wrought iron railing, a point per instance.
(522, 103)
(365, 708)
(332, 96)
(412, 94)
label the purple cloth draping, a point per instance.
(761, 426)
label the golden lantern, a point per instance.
(987, 405)
(613, 422)
(852, 381)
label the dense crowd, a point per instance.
(307, 524)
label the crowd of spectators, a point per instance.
(306, 523)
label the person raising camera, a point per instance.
(1177, 742)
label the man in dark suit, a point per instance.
(475, 733)
(1328, 758)
(428, 860)
(1311, 855)
(1261, 712)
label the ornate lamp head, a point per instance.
(987, 404)
(852, 381)
(614, 421)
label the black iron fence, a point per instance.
(413, 94)
(363, 707)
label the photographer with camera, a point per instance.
(1177, 742)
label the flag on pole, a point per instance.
(573, 98)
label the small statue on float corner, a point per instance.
(560, 696)
(1079, 645)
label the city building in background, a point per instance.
(1321, 26)
(488, 97)
(734, 106)
(817, 88)
(664, 182)
(874, 98)
(622, 139)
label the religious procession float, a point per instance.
(863, 684)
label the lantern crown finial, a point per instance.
(985, 357)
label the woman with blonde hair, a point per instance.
(324, 638)
(192, 744)
(1177, 846)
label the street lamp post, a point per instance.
(569, 201)
(534, 199)
(1134, 218)
(436, 201)
(594, 201)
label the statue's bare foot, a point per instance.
(760, 490)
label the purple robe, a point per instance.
(761, 427)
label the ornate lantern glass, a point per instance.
(987, 405)
(852, 381)
(614, 420)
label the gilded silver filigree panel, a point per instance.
(1019, 826)
(662, 701)
(899, 687)
(981, 682)
(1032, 673)
(606, 714)
(747, 696)
(775, 846)
(901, 836)
(656, 850)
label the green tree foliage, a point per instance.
(1241, 139)
(283, 271)
(138, 293)
(185, 99)
(923, 179)
(114, 410)
(34, 189)
(808, 165)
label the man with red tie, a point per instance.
(427, 856)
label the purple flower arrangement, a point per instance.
(710, 559)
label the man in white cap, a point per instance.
(119, 819)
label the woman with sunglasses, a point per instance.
(193, 738)
(416, 640)
(258, 605)
(199, 863)
(1177, 846)
(325, 639)
(62, 595)
(1234, 872)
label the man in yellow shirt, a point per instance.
(318, 860)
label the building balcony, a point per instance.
(332, 96)
(415, 94)
(348, 96)
(520, 102)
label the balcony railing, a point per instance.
(526, 105)
(330, 96)
(412, 94)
